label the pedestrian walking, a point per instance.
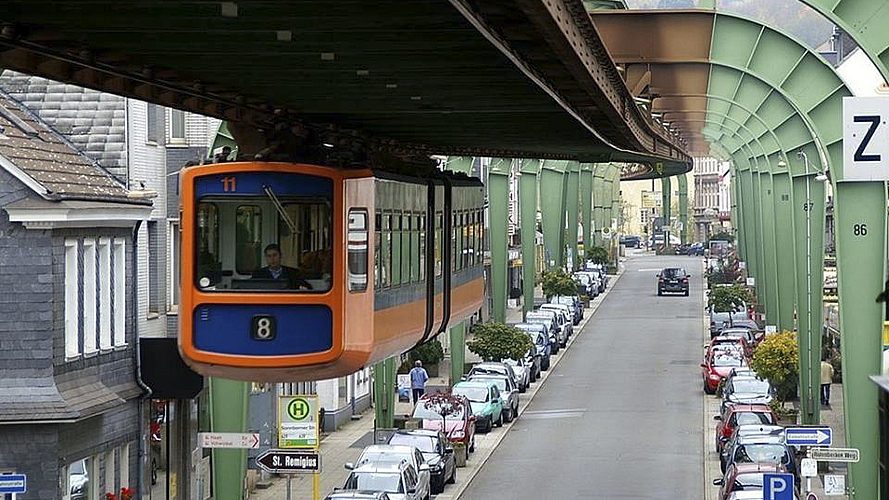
(418, 380)
(826, 380)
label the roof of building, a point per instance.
(59, 399)
(50, 164)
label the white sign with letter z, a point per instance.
(865, 139)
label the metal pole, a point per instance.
(287, 497)
(810, 409)
(314, 486)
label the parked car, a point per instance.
(601, 273)
(696, 248)
(747, 430)
(744, 477)
(554, 326)
(586, 284)
(573, 302)
(747, 334)
(509, 393)
(78, 480)
(437, 451)
(673, 279)
(631, 241)
(763, 450)
(523, 370)
(491, 368)
(458, 425)
(749, 390)
(565, 319)
(721, 320)
(717, 365)
(387, 454)
(485, 401)
(736, 415)
(736, 341)
(540, 339)
(358, 495)
(398, 479)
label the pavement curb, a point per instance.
(541, 382)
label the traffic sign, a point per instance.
(228, 440)
(777, 486)
(865, 139)
(809, 436)
(13, 483)
(298, 422)
(290, 461)
(834, 454)
(834, 484)
(808, 467)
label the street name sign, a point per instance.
(13, 483)
(809, 436)
(290, 461)
(865, 139)
(228, 440)
(834, 454)
(777, 486)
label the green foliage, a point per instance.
(728, 272)
(429, 353)
(777, 359)
(558, 282)
(728, 298)
(496, 341)
(598, 255)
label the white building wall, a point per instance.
(328, 396)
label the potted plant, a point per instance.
(777, 359)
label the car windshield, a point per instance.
(422, 443)
(725, 361)
(389, 482)
(674, 273)
(750, 417)
(750, 385)
(474, 394)
(568, 301)
(761, 452)
(498, 370)
(453, 411)
(499, 382)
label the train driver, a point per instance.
(275, 271)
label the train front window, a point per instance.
(264, 231)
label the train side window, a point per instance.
(470, 238)
(412, 247)
(378, 237)
(421, 239)
(357, 250)
(439, 237)
(454, 259)
(396, 250)
(405, 248)
(208, 258)
(387, 250)
(248, 239)
(480, 249)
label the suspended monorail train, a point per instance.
(280, 281)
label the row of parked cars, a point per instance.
(416, 464)
(749, 440)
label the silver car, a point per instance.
(399, 480)
(551, 320)
(491, 368)
(509, 392)
(378, 455)
(522, 371)
(567, 319)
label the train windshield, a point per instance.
(264, 231)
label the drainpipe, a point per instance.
(147, 390)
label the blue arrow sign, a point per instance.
(777, 486)
(13, 483)
(809, 436)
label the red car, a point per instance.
(459, 424)
(741, 477)
(717, 365)
(739, 414)
(741, 342)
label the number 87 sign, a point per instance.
(865, 139)
(298, 425)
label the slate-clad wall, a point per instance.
(32, 450)
(94, 121)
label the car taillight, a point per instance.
(685, 280)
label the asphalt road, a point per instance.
(620, 417)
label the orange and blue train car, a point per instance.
(296, 272)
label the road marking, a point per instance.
(567, 410)
(548, 416)
(650, 270)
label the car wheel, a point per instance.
(153, 472)
(500, 420)
(523, 388)
(707, 389)
(471, 446)
(453, 478)
(659, 292)
(686, 293)
(508, 417)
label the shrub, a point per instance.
(777, 359)
(429, 353)
(558, 282)
(598, 255)
(729, 298)
(496, 341)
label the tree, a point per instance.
(777, 359)
(598, 255)
(558, 282)
(497, 341)
(429, 353)
(445, 404)
(728, 298)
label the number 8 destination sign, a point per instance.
(298, 422)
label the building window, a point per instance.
(89, 296)
(118, 298)
(177, 126)
(154, 259)
(105, 286)
(154, 123)
(72, 299)
(173, 259)
(124, 464)
(109, 472)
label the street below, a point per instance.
(620, 416)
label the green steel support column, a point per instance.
(457, 333)
(384, 393)
(458, 351)
(808, 220)
(498, 206)
(598, 204)
(770, 269)
(228, 413)
(586, 205)
(563, 215)
(615, 214)
(748, 212)
(528, 228)
(860, 215)
(607, 208)
(738, 215)
(761, 283)
(665, 205)
(572, 194)
(551, 183)
(683, 208)
(785, 255)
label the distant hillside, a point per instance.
(789, 15)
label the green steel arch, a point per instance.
(865, 21)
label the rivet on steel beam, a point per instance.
(391, 85)
(416, 97)
(229, 9)
(327, 56)
(284, 35)
(362, 72)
